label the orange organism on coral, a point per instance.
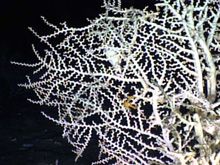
(127, 104)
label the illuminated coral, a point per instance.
(145, 82)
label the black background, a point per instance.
(26, 137)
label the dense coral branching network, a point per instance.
(145, 83)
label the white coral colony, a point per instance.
(146, 83)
